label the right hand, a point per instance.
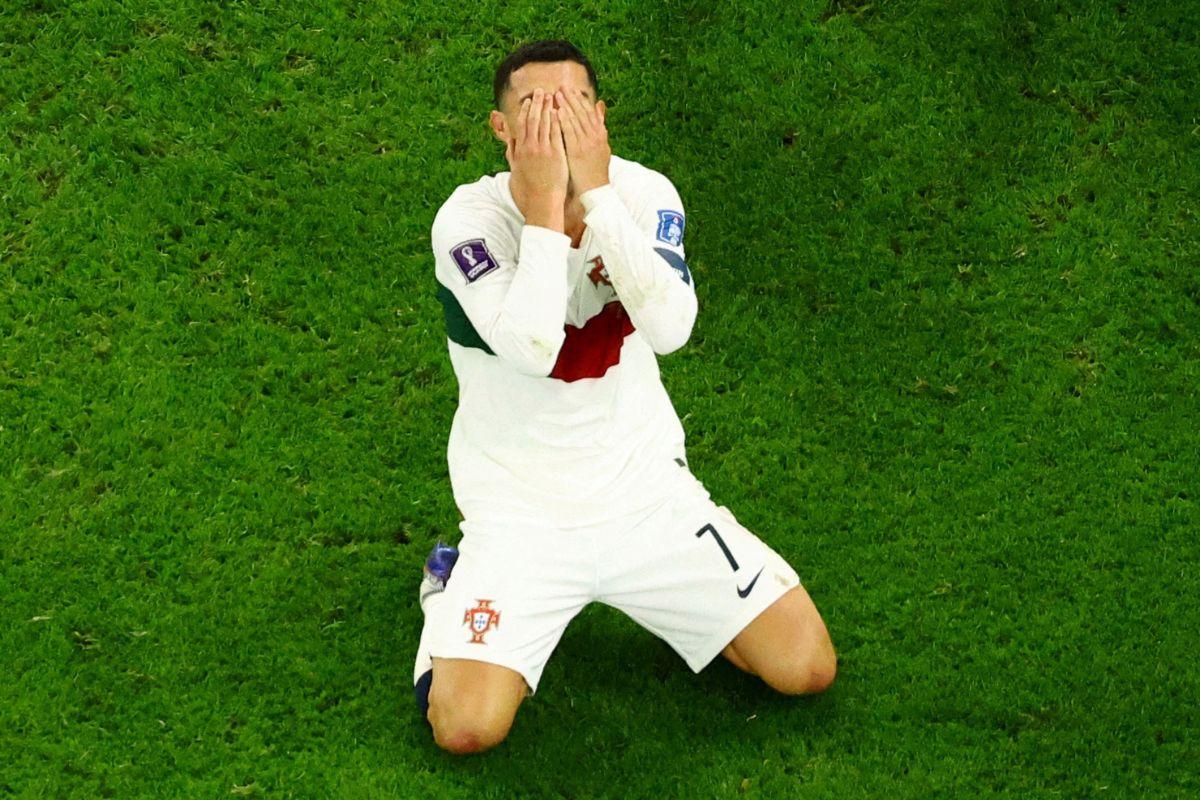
(537, 155)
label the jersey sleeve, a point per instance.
(505, 294)
(643, 252)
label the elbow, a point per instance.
(541, 356)
(536, 355)
(671, 339)
(663, 345)
(526, 349)
(668, 338)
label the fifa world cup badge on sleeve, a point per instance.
(474, 259)
(670, 227)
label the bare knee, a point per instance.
(812, 673)
(465, 733)
(466, 740)
(465, 722)
(821, 673)
(472, 704)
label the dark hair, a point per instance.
(548, 50)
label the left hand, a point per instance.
(586, 140)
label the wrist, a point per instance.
(547, 212)
(583, 187)
(590, 198)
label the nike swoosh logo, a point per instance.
(744, 593)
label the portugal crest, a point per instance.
(481, 619)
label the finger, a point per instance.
(560, 114)
(570, 138)
(547, 117)
(556, 134)
(578, 112)
(583, 110)
(590, 108)
(522, 119)
(570, 128)
(535, 117)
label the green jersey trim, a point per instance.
(458, 327)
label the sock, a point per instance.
(421, 692)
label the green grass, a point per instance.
(946, 363)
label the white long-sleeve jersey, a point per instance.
(562, 415)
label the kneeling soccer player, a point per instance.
(562, 281)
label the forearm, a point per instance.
(660, 302)
(528, 330)
(546, 211)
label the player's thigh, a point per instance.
(472, 704)
(513, 591)
(692, 575)
(787, 645)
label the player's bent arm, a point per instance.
(517, 306)
(646, 266)
(527, 329)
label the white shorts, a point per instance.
(685, 570)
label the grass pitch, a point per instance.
(946, 363)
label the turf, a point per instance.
(946, 363)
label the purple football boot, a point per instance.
(437, 570)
